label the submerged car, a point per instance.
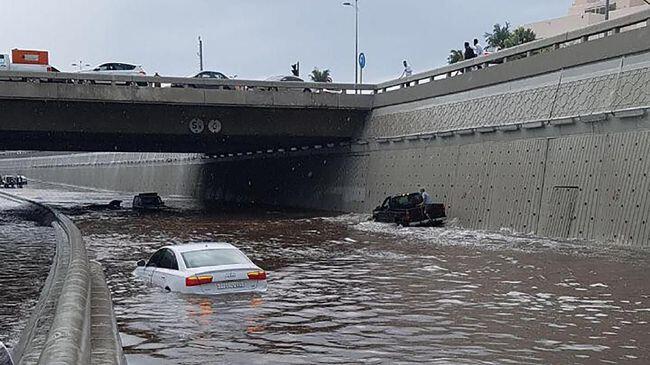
(409, 209)
(11, 181)
(202, 268)
(148, 201)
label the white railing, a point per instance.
(591, 33)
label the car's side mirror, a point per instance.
(141, 263)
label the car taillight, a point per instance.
(198, 280)
(257, 275)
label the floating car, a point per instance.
(202, 268)
(148, 201)
(409, 209)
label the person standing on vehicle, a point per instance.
(426, 197)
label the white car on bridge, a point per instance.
(115, 68)
(202, 268)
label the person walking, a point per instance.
(478, 49)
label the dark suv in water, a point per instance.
(148, 201)
(409, 209)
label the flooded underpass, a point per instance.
(345, 290)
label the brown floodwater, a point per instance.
(26, 251)
(345, 290)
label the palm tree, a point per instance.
(320, 76)
(497, 39)
(455, 55)
(519, 36)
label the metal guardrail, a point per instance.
(594, 32)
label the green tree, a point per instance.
(455, 56)
(519, 36)
(497, 39)
(320, 75)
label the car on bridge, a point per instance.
(206, 75)
(409, 209)
(287, 79)
(115, 68)
(118, 69)
(210, 268)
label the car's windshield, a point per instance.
(203, 258)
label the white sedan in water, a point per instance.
(202, 268)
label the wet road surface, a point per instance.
(344, 290)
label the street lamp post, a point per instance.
(356, 38)
(81, 65)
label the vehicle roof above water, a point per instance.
(201, 246)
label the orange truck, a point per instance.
(26, 60)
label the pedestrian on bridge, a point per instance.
(478, 49)
(408, 71)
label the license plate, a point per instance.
(231, 285)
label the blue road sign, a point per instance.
(362, 60)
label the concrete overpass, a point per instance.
(76, 112)
(85, 112)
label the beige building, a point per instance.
(584, 13)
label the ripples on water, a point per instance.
(344, 290)
(26, 251)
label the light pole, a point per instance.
(356, 38)
(81, 65)
(606, 9)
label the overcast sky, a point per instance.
(255, 39)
